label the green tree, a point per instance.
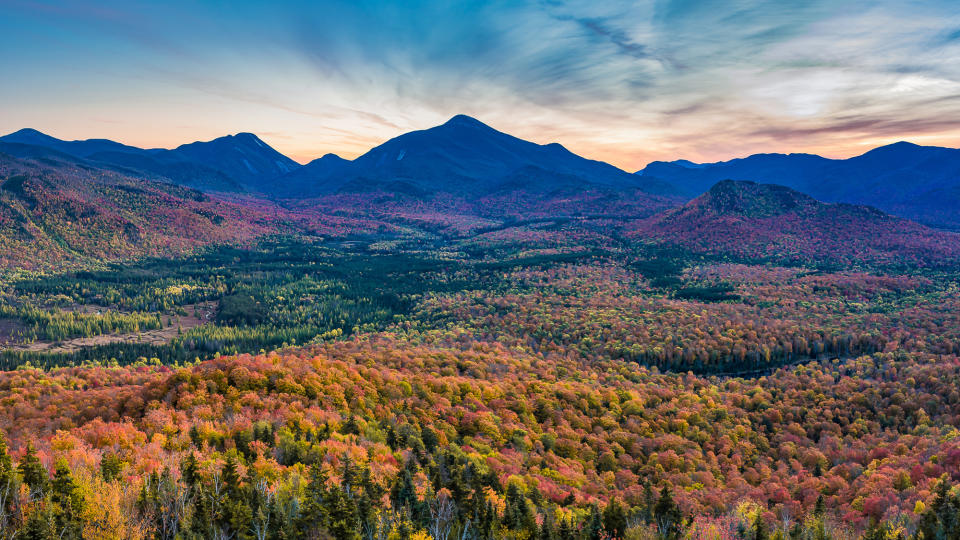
(9, 488)
(68, 500)
(614, 519)
(33, 472)
(110, 466)
(667, 516)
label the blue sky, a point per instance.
(626, 82)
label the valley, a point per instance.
(218, 340)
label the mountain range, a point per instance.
(469, 159)
(463, 156)
(235, 163)
(465, 176)
(917, 182)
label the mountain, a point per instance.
(56, 209)
(462, 156)
(242, 157)
(320, 175)
(235, 163)
(82, 149)
(769, 221)
(918, 182)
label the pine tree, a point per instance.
(343, 517)
(9, 487)
(760, 529)
(516, 510)
(313, 513)
(110, 466)
(667, 515)
(614, 519)
(566, 530)
(66, 495)
(594, 524)
(39, 525)
(190, 470)
(650, 501)
(33, 472)
(235, 513)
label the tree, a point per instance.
(942, 518)
(614, 519)
(760, 528)
(594, 529)
(9, 489)
(40, 524)
(33, 472)
(68, 500)
(233, 511)
(443, 513)
(667, 516)
(314, 511)
(110, 466)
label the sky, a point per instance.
(623, 82)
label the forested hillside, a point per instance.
(502, 385)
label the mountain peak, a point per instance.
(894, 148)
(750, 199)
(464, 120)
(247, 136)
(30, 136)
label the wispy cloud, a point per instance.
(625, 82)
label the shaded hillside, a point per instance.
(776, 222)
(54, 211)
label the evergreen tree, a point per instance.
(649, 500)
(566, 531)
(614, 519)
(819, 508)
(667, 515)
(9, 489)
(68, 500)
(760, 529)
(594, 524)
(110, 466)
(343, 517)
(190, 470)
(516, 511)
(40, 524)
(33, 472)
(234, 512)
(942, 518)
(314, 510)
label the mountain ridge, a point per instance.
(769, 221)
(240, 162)
(904, 178)
(464, 155)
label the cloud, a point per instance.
(626, 82)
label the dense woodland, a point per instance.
(529, 382)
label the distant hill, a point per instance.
(768, 221)
(235, 163)
(918, 182)
(462, 156)
(56, 209)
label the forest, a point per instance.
(528, 382)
